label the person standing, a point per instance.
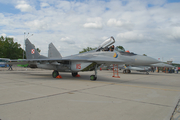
(10, 67)
(177, 70)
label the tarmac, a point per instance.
(32, 94)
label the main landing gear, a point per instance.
(55, 73)
(74, 74)
(94, 77)
(126, 71)
(147, 73)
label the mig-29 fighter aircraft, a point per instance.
(87, 61)
(127, 69)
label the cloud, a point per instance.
(37, 24)
(44, 4)
(67, 40)
(117, 23)
(94, 23)
(24, 7)
(77, 25)
(114, 22)
(132, 37)
(174, 35)
(4, 21)
(3, 34)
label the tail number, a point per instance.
(78, 66)
(32, 51)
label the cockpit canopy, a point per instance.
(106, 44)
(123, 52)
(119, 50)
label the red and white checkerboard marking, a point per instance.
(32, 51)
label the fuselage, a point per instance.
(76, 66)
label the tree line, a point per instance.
(10, 49)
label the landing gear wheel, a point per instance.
(55, 73)
(74, 74)
(93, 78)
(147, 73)
(124, 71)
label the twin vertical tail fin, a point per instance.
(53, 52)
(32, 53)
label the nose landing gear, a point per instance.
(94, 77)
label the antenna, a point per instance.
(27, 36)
(30, 35)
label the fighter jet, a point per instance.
(127, 69)
(87, 61)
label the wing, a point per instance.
(97, 59)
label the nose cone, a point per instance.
(145, 60)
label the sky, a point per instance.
(150, 27)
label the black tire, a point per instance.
(55, 74)
(74, 74)
(93, 78)
(124, 71)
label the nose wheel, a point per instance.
(94, 77)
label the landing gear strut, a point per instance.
(94, 77)
(55, 73)
(126, 71)
(74, 74)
